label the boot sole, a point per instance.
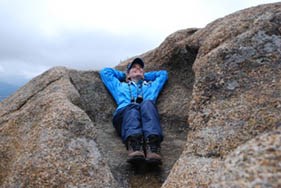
(154, 161)
(136, 160)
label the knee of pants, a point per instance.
(148, 102)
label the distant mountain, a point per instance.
(6, 90)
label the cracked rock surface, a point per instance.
(220, 112)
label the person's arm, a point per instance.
(153, 75)
(110, 74)
(111, 79)
(157, 80)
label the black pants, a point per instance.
(136, 119)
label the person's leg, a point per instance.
(131, 124)
(152, 131)
(127, 122)
(150, 119)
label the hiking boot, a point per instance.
(135, 149)
(153, 150)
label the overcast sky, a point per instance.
(36, 35)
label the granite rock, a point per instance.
(235, 100)
(220, 112)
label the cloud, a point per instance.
(89, 34)
(30, 54)
(94, 47)
(26, 51)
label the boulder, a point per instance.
(47, 140)
(235, 103)
(219, 112)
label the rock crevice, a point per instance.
(220, 112)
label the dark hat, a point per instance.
(138, 61)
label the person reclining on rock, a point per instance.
(136, 118)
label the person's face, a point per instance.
(136, 72)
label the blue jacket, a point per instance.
(123, 91)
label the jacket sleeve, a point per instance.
(152, 76)
(157, 79)
(112, 78)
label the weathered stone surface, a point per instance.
(57, 131)
(48, 141)
(253, 164)
(236, 98)
(219, 111)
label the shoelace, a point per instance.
(136, 145)
(154, 148)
